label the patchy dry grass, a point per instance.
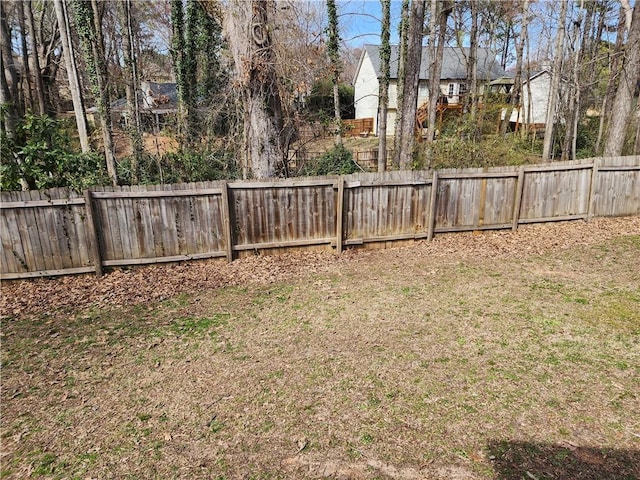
(391, 365)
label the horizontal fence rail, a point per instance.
(57, 231)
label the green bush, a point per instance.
(490, 151)
(40, 153)
(186, 166)
(337, 161)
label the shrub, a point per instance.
(186, 166)
(40, 153)
(337, 161)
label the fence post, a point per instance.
(226, 221)
(592, 187)
(517, 201)
(432, 205)
(340, 214)
(94, 244)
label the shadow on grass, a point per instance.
(539, 461)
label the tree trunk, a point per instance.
(132, 84)
(402, 61)
(573, 91)
(190, 70)
(636, 143)
(516, 92)
(89, 27)
(180, 60)
(623, 102)
(7, 122)
(29, 102)
(8, 64)
(248, 36)
(471, 101)
(549, 130)
(72, 73)
(50, 55)
(411, 81)
(507, 43)
(385, 57)
(104, 100)
(607, 102)
(35, 58)
(334, 59)
(436, 64)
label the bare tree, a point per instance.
(614, 68)
(72, 73)
(436, 52)
(385, 57)
(554, 93)
(246, 25)
(35, 58)
(129, 28)
(334, 58)
(402, 62)
(89, 25)
(410, 88)
(516, 93)
(623, 103)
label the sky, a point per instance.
(360, 21)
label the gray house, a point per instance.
(156, 101)
(453, 79)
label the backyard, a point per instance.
(500, 355)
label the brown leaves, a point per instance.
(158, 282)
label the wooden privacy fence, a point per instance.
(358, 127)
(57, 231)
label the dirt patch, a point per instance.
(494, 356)
(159, 144)
(153, 144)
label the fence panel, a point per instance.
(354, 128)
(55, 231)
(555, 193)
(499, 201)
(391, 206)
(43, 233)
(472, 199)
(273, 214)
(160, 223)
(617, 191)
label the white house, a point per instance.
(453, 82)
(534, 99)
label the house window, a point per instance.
(464, 88)
(452, 89)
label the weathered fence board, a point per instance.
(617, 192)
(54, 232)
(277, 214)
(550, 194)
(384, 207)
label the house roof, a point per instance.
(454, 63)
(506, 80)
(153, 96)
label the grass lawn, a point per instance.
(397, 364)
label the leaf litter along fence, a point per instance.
(57, 231)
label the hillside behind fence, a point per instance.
(57, 231)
